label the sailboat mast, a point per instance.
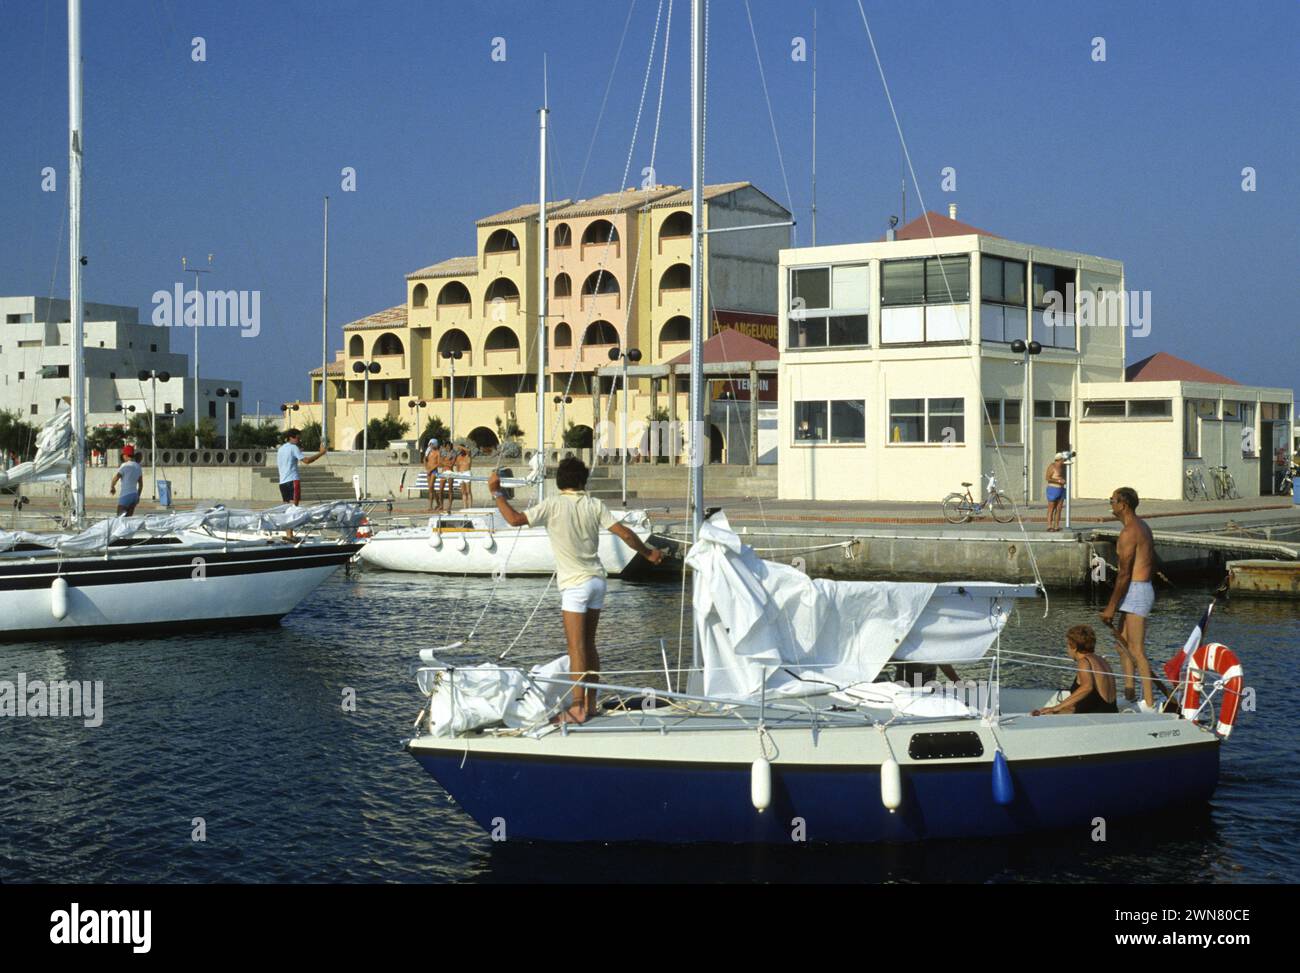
(698, 444)
(325, 337)
(814, 129)
(77, 341)
(541, 284)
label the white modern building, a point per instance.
(904, 374)
(35, 362)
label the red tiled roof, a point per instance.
(729, 345)
(940, 225)
(1163, 367)
(380, 319)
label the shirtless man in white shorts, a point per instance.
(573, 522)
(1133, 596)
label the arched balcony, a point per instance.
(601, 290)
(601, 237)
(501, 348)
(501, 248)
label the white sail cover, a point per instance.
(812, 635)
(217, 519)
(53, 453)
(488, 694)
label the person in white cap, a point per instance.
(430, 464)
(1055, 491)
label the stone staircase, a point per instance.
(664, 482)
(606, 483)
(318, 484)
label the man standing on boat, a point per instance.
(430, 463)
(573, 521)
(1133, 595)
(463, 463)
(287, 458)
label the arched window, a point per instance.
(419, 295)
(677, 225)
(676, 329)
(453, 292)
(600, 282)
(356, 346)
(501, 241)
(563, 336)
(483, 437)
(387, 344)
(601, 333)
(676, 278)
(600, 231)
(453, 340)
(563, 285)
(501, 339)
(563, 235)
(502, 288)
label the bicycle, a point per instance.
(1194, 483)
(960, 508)
(1224, 486)
(1286, 479)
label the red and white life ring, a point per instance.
(363, 529)
(1213, 657)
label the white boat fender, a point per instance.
(891, 785)
(435, 535)
(490, 542)
(1004, 792)
(462, 544)
(760, 784)
(59, 599)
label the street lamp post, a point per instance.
(452, 357)
(198, 297)
(153, 377)
(365, 369)
(562, 401)
(230, 407)
(630, 355)
(1026, 407)
(417, 405)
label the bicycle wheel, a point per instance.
(1189, 487)
(1200, 485)
(956, 509)
(1230, 487)
(1002, 509)
(1220, 488)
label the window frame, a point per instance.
(828, 411)
(927, 302)
(926, 415)
(821, 317)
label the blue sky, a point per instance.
(1137, 158)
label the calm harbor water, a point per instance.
(248, 732)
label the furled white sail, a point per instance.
(216, 519)
(53, 453)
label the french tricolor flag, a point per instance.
(1174, 666)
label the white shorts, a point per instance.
(588, 596)
(1139, 599)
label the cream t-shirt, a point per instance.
(573, 522)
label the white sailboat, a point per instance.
(478, 541)
(783, 732)
(154, 573)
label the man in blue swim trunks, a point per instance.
(1055, 492)
(1133, 595)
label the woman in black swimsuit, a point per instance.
(1093, 690)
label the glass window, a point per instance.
(1150, 408)
(810, 422)
(902, 282)
(1049, 279)
(1103, 408)
(1042, 408)
(852, 288)
(807, 333)
(907, 420)
(1062, 408)
(1274, 411)
(1002, 281)
(947, 280)
(993, 421)
(847, 329)
(848, 421)
(1231, 411)
(810, 288)
(947, 421)
(1011, 422)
